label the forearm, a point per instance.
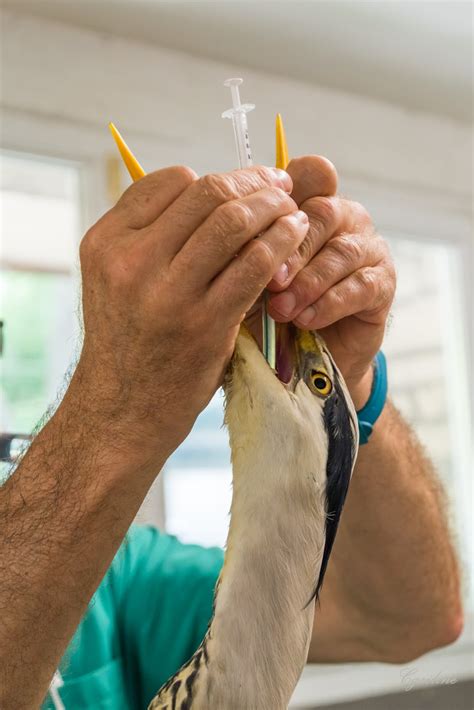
(394, 570)
(64, 513)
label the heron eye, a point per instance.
(321, 384)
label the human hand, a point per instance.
(341, 279)
(168, 275)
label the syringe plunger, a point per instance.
(239, 120)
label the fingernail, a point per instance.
(301, 217)
(307, 315)
(283, 180)
(281, 275)
(284, 303)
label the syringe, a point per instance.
(238, 114)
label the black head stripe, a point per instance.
(341, 451)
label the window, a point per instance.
(198, 481)
(426, 349)
(38, 289)
(427, 376)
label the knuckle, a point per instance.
(233, 217)
(248, 180)
(290, 226)
(89, 244)
(386, 287)
(137, 191)
(144, 191)
(217, 187)
(260, 257)
(348, 248)
(183, 174)
(264, 173)
(333, 301)
(367, 279)
(306, 250)
(133, 200)
(321, 210)
(275, 197)
(290, 236)
(136, 197)
(260, 177)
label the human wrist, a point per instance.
(360, 387)
(109, 423)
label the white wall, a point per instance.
(170, 104)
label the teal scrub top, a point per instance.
(145, 620)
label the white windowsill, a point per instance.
(327, 684)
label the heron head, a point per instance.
(305, 367)
(305, 371)
(306, 374)
(303, 357)
(307, 400)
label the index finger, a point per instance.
(147, 198)
(199, 200)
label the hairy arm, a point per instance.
(392, 590)
(63, 514)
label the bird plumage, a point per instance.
(292, 455)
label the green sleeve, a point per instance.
(165, 605)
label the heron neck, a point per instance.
(262, 623)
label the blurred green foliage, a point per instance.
(27, 302)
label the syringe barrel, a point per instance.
(239, 121)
